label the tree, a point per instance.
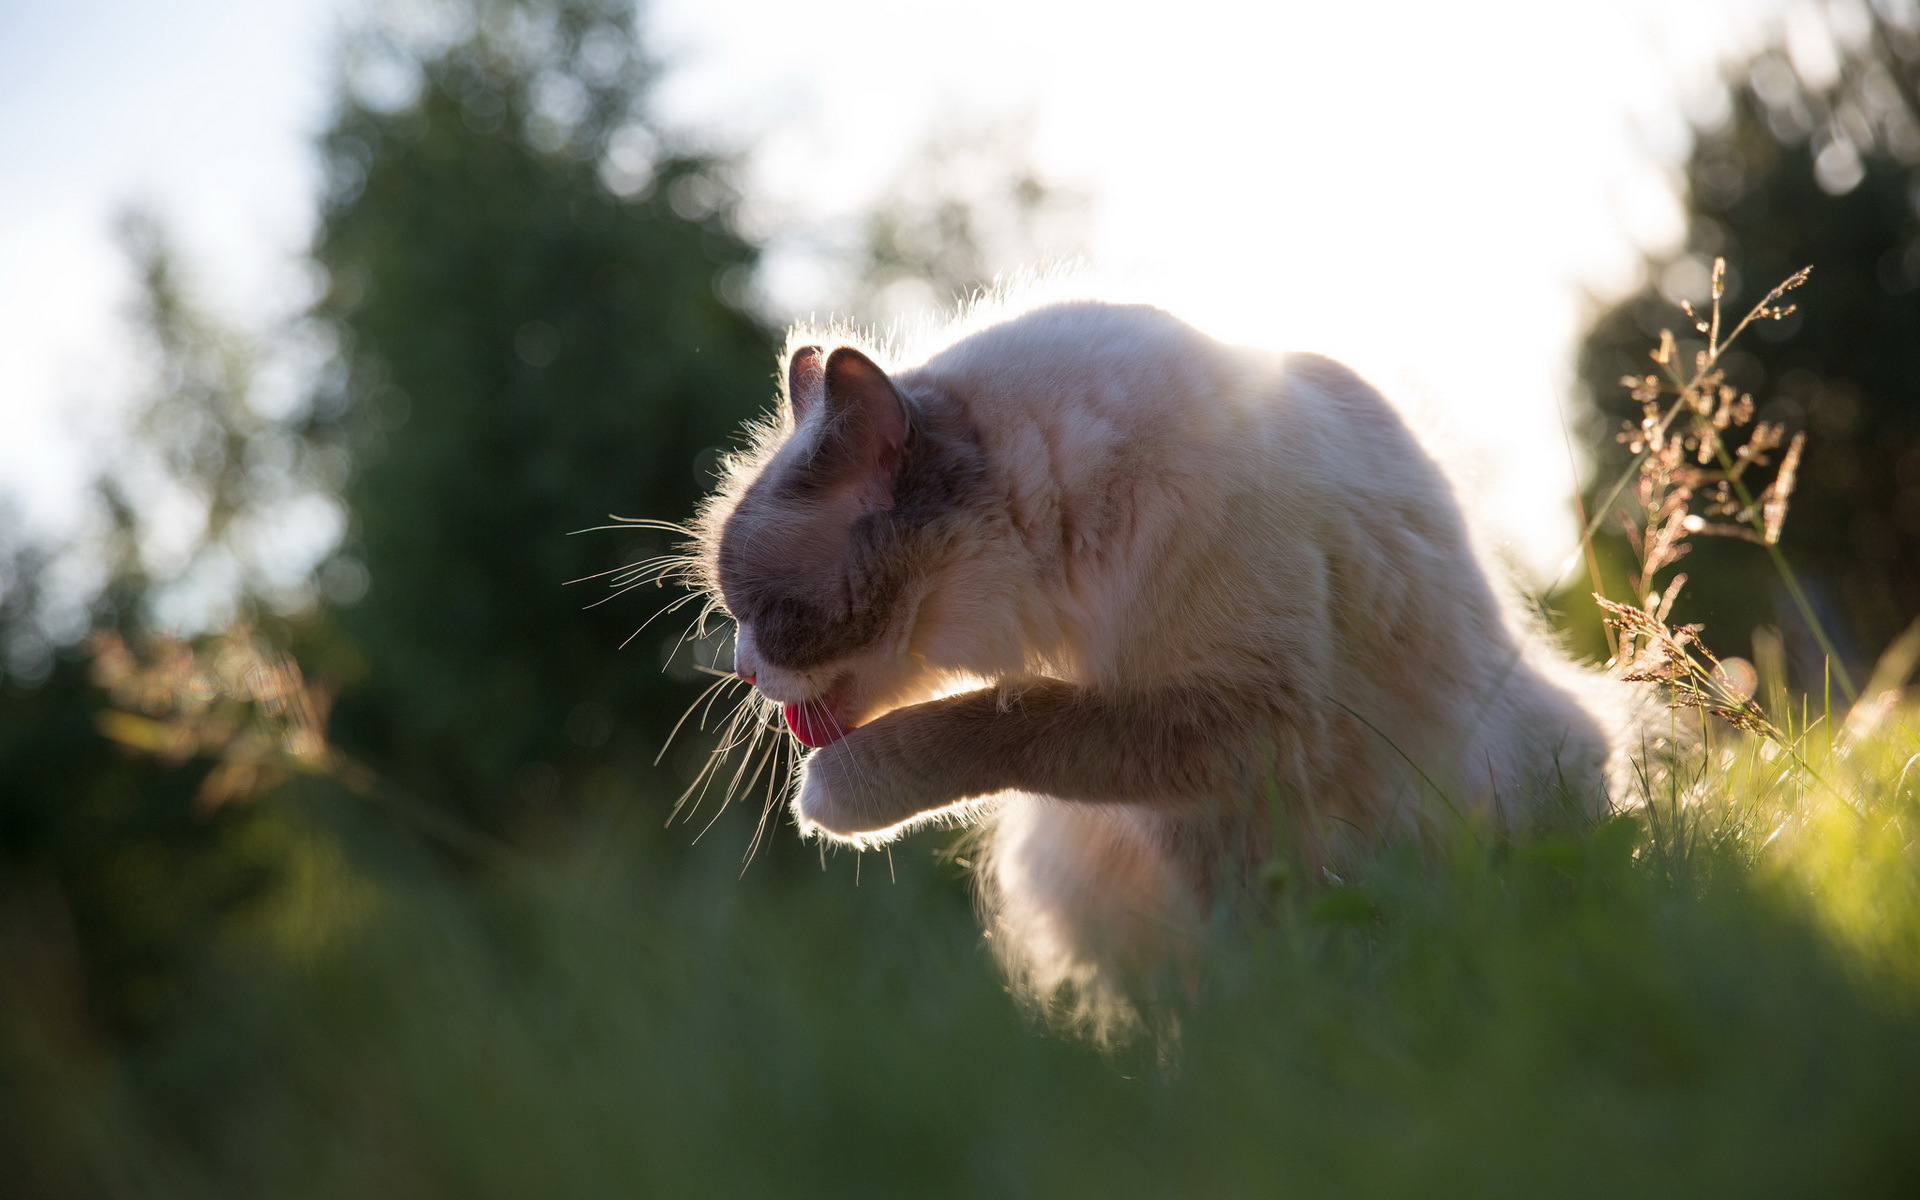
(967, 206)
(1816, 160)
(538, 296)
(114, 872)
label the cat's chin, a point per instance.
(814, 724)
(822, 718)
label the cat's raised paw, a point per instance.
(822, 807)
(844, 797)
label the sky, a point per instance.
(1437, 193)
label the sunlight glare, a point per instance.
(1432, 193)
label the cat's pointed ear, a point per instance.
(869, 420)
(806, 380)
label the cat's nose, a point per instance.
(744, 664)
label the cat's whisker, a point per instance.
(656, 573)
(699, 622)
(682, 602)
(632, 566)
(673, 527)
(747, 733)
(759, 761)
(697, 790)
(717, 686)
(741, 717)
(769, 805)
(742, 707)
(733, 786)
(623, 523)
(709, 609)
(779, 748)
(751, 744)
(745, 725)
(748, 723)
(772, 750)
(617, 594)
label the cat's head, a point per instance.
(829, 534)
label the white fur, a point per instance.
(1174, 510)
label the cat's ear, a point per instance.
(806, 380)
(869, 420)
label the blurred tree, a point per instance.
(534, 314)
(112, 877)
(524, 329)
(969, 205)
(1813, 158)
(541, 304)
(219, 495)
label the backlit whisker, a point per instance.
(697, 790)
(760, 761)
(733, 786)
(699, 622)
(616, 595)
(680, 603)
(655, 573)
(711, 688)
(621, 523)
(632, 566)
(767, 806)
(745, 703)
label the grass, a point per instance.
(1714, 992)
(1716, 995)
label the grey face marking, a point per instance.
(809, 607)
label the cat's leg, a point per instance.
(1170, 747)
(1082, 902)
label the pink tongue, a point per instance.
(813, 725)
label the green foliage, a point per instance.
(508, 250)
(300, 992)
(1797, 173)
(109, 848)
(1676, 1002)
(105, 853)
(530, 350)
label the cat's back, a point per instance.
(1093, 397)
(1085, 396)
(1134, 364)
(1082, 358)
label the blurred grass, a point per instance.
(1716, 995)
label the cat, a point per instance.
(1138, 605)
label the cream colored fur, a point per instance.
(1169, 518)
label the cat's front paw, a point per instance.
(827, 805)
(849, 796)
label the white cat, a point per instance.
(1139, 604)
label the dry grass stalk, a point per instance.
(234, 700)
(1693, 478)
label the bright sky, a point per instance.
(1430, 191)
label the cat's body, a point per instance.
(1195, 597)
